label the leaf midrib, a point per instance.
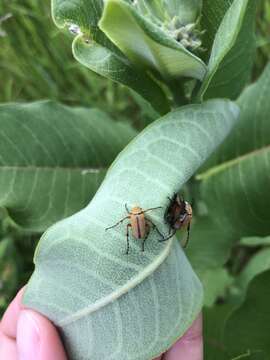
(136, 280)
(224, 166)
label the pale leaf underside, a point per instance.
(115, 306)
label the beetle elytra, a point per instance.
(139, 224)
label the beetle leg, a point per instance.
(169, 198)
(119, 222)
(166, 214)
(128, 226)
(147, 234)
(171, 234)
(187, 239)
(155, 228)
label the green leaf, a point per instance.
(187, 11)
(253, 123)
(213, 327)
(95, 51)
(215, 283)
(232, 54)
(104, 62)
(5, 245)
(233, 190)
(213, 12)
(84, 281)
(215, 319)
(259, 263)
(234, 194)
(248, 327)
(146, 45)
(85, 13)
(53, 158)
(209, 247)
(254, 241)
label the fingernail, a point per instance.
(28, 337)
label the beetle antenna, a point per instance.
(127, 209)
(118, 223)
(158, 207)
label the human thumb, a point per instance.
(37, 338)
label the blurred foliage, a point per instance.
(56, 162)
(248, 327)
(36, 63)
(16, 258)
(263, 37)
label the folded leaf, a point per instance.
(53, 159)
(146, 45)
(213, 12)
(94, 50)
(85, 13)
(106, 63)
(111, 305)
(233, 51)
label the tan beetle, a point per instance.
(139, 224)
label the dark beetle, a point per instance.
(178, 215)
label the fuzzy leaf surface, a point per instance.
(84, 281)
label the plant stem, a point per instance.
(178, 92)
